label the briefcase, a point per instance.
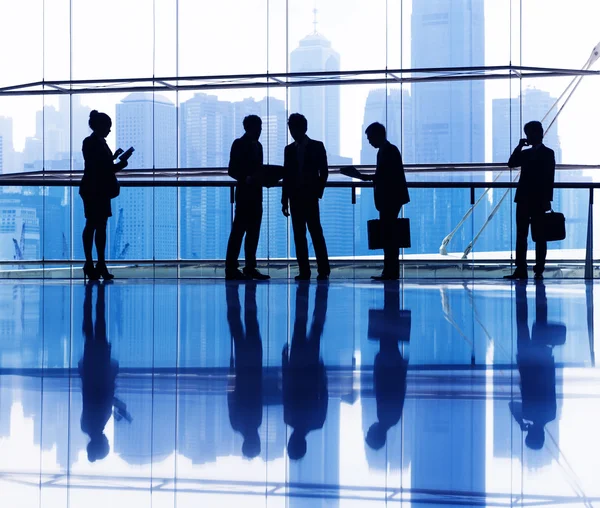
(549, 334)
(550, 228)
(401, 233)
(387, 325)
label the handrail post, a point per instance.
(589, 246)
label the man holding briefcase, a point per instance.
(533, 196)
(390, 193)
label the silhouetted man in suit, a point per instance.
(390, 193)
(305, 176)
(245, 400)
(390, 368)
(305, 393)
(536, 366)
(246, 166)
(533, 196)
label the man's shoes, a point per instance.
(322, 277)
(303, 277)
(538, 276)
(516, 276)
(235, 275)
(253, 273)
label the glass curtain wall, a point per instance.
(433, 121)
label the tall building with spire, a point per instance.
(319, 104)
(321, 107)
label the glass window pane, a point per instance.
(112, 40)
(21, 29)
(214, 41)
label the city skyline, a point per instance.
(165, 223)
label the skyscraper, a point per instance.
(145, 224)
(208, 127)
(392, 108)
(507, 123)
(59, 134)
(448, 116)
(6, 145)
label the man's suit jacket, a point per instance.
(310, 180)
(536, 183)
(305, 394)
(246, 159)
(390, 189)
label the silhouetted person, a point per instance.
(305, 176)
(97, 188)
(390, 368)
(246, 167)
(98, 373)
(245, 400)
(305, 394)
(533, 197)
(536, 367)
(390, 192)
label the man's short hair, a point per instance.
(533, 127)
(251, 120)
(375, 129)
(296, 119)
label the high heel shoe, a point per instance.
(90, 272)
(103, 272)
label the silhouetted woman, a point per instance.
(98, 186)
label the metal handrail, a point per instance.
(217, 177)
(285, 79)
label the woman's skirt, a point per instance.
(96, 208)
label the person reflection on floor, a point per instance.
(305, 393)
(389, 326)
(245, 396)
(98, 373)
(535, 362)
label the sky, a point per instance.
(134, 38)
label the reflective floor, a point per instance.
(206, 393)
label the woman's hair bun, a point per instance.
(98, 120)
